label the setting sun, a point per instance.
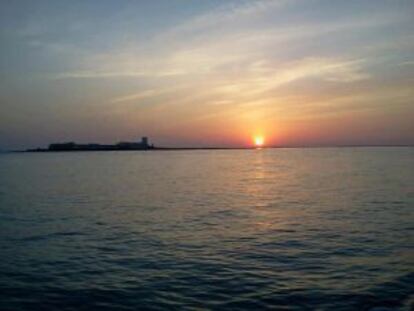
(258, 141)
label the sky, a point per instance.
(207, 73)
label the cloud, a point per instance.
(407, 63)
(228, 14)
(151, 93)
(85, 74)
(183, 51)
(238, 56)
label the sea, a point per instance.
(265, 229)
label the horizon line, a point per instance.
(161, 148)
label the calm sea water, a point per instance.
(283, 229)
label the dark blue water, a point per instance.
(282, 229)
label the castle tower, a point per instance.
(144, 141)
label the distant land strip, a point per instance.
(144, 145)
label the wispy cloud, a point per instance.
(199, 47)
(227, 14)
(407, 63)
(84, 74)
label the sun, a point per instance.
(259, 141)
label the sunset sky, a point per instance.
(207, 73)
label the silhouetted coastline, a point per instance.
(72, 146)
(144, 145)
(121, 146)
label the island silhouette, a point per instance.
(145, 145)
(120, 146)
(72, 146)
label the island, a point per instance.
(124, 146)
(72, 146)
